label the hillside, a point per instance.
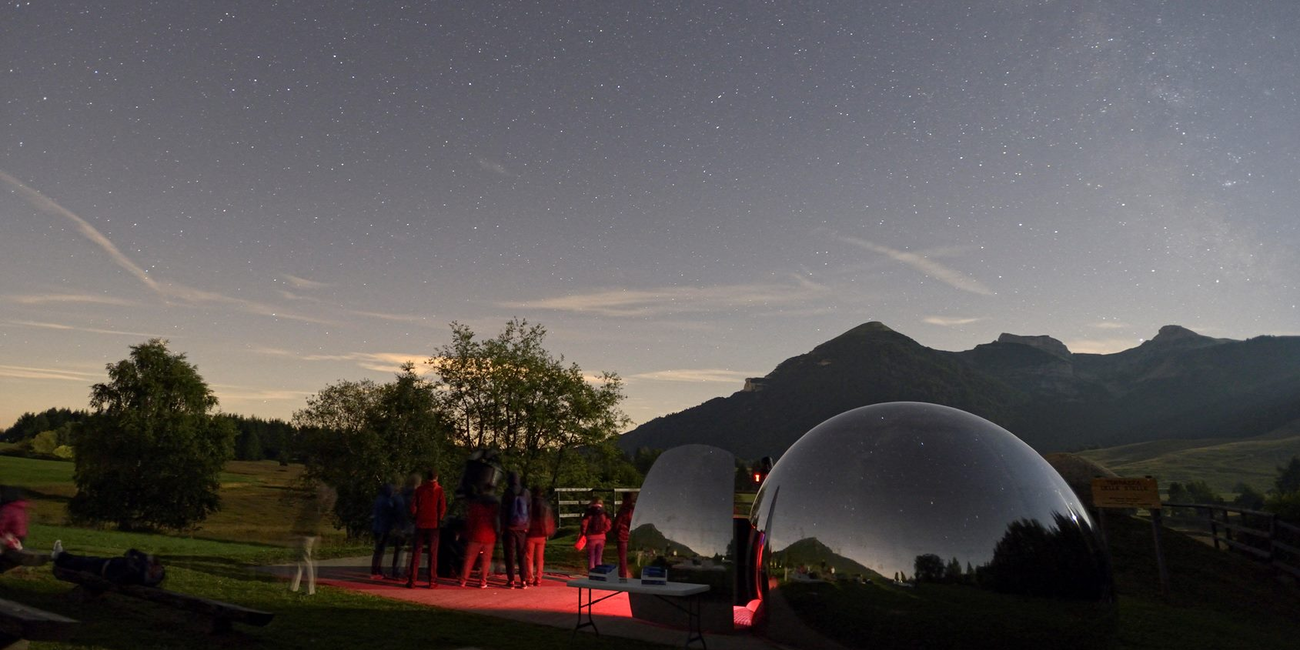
(1223, 464)
(1177, 386)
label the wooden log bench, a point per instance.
(11, 559)
(222, 614)
(20, 624)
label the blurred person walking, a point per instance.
(480, 537)
(515, 505)
(307, 529)
(541, 525)
(623, 530)
(403, 524)
(595, 526)
(382, 515)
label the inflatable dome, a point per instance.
(917, 525)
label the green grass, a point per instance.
(1218, 600)
(259, 499)
(333, 618)
(33, 472)
(1220, 463)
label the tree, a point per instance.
(1248, 497)
(357, 436)
(150, 453)
(1288, 478)
(509, 393)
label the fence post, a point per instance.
(1214, 527)
(1272, 541)
(1156, 525)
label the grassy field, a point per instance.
(1218, 600)
(260, 499)
(1221, 463)
(333, 618)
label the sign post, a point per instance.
(1131, 493)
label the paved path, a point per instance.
(550, 603)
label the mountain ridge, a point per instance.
(1177, 385)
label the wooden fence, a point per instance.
(572, 502)
(1258, 534)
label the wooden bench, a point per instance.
(11, 559)
(20, 623)
(223, 614)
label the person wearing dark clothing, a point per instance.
(541, 525)
(133, 568)
(381, 525)
(515, 506)
(403, 524)
(480, 537)
(595, 525)
(428, 507)
(623, 530)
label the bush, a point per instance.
(1285, 506)
(45, 443)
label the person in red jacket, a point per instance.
(428, 507)
(480, 537)
(623, 530)
(13, 522)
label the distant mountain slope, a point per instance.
(1221, 463)
(1178, 385)
(866, 365)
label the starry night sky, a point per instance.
(295, 193)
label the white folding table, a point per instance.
(670, 593)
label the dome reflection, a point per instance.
(924, 518)
(683, 522)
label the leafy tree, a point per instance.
(509, 393)
(1248, 497)
(952, 571)
(1201, 492)
(150, 453)
(1288, 478)
(357, 436)
(45, 443)
(929, 568)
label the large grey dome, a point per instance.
(913, 516)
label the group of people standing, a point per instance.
(412, 518)
(595, 529)
(415, 515)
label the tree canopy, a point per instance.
(511, 394)
(151, 451)
(358, 435)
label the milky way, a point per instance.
(299, 192)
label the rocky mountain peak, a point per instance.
(1045, 343)
(1170, 333)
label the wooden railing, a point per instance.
(1258, 534)
(572, 502)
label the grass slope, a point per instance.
(1221, 463)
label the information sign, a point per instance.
(1125, 493)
